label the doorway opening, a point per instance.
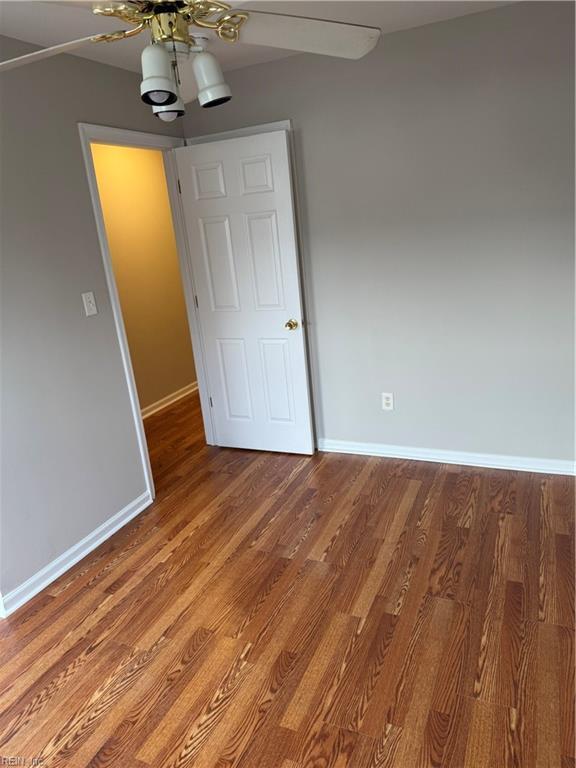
(137, 219)
(228, 204)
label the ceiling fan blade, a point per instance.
(44, 53)
(297, 33)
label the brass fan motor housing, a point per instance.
(170, 21)
(170, 27)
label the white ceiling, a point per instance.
(49, 22)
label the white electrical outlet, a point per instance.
(387, 401)
(89, 301)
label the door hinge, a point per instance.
(211, 403)
(179, 187)
(196, 301)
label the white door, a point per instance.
(238, 209)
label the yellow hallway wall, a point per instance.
(137, 217)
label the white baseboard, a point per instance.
(159, 405)
(36, 583)
(490, 460)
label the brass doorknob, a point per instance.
(291, 325)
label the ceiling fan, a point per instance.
(180, 34)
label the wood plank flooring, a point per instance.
(277, 611)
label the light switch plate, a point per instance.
(89, 301)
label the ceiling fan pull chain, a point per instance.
(175, 60)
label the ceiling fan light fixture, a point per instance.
(212, 89)
(157, 97)
(169, 112)
(158, 86)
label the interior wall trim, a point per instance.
(164, 402)
(14, 599)
(235, 133)
(121, 137)
(489, 460)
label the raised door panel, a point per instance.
(209, 181)
(219, 262)
(234, 378)
(264, 249)
(256, 175)
(277, 377)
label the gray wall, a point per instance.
(69, 453)
(435, 179)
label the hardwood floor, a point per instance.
(277, 611)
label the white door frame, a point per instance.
(238, 133)
(120, 137)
